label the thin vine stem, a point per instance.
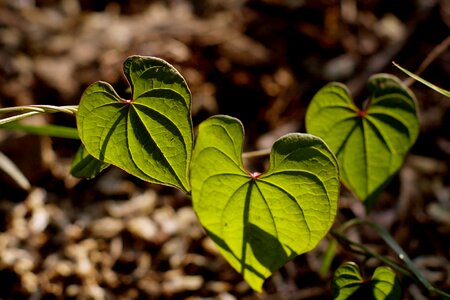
(255, 154)
(31, 110)
(18, 117)
(436, 52)
(365, 251)
(70, 109)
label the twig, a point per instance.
(435, 53)
(257, 153)
(382, 59)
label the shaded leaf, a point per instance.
(149, 135)
(348, 284)
(370, 144)
(261, 221)
(85, 165)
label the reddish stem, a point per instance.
(254, 175)
(361, 113)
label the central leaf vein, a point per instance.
(157, 146)
(293, 198)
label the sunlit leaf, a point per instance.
(149, 135)
(261, 221)
(370, 144)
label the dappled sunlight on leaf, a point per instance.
(150, 135)
(370, 143)
(261, 222)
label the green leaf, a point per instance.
(261, 221)
(149, 135)
(370, 144)
(85, 165)
(348, 284)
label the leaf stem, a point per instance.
(363, 250)
(255, 154)
(436, 52)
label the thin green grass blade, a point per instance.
(427, 83)
(44, 130)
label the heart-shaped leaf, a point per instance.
(370, 144)
(149, 135)
(261, 221)
(348, 284)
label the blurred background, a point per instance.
(116, 237)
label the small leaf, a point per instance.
(85, 165)
(261, 221)
(346, 281)
(370, 144)
(150, 135)
(348, 284)
(385, 284)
